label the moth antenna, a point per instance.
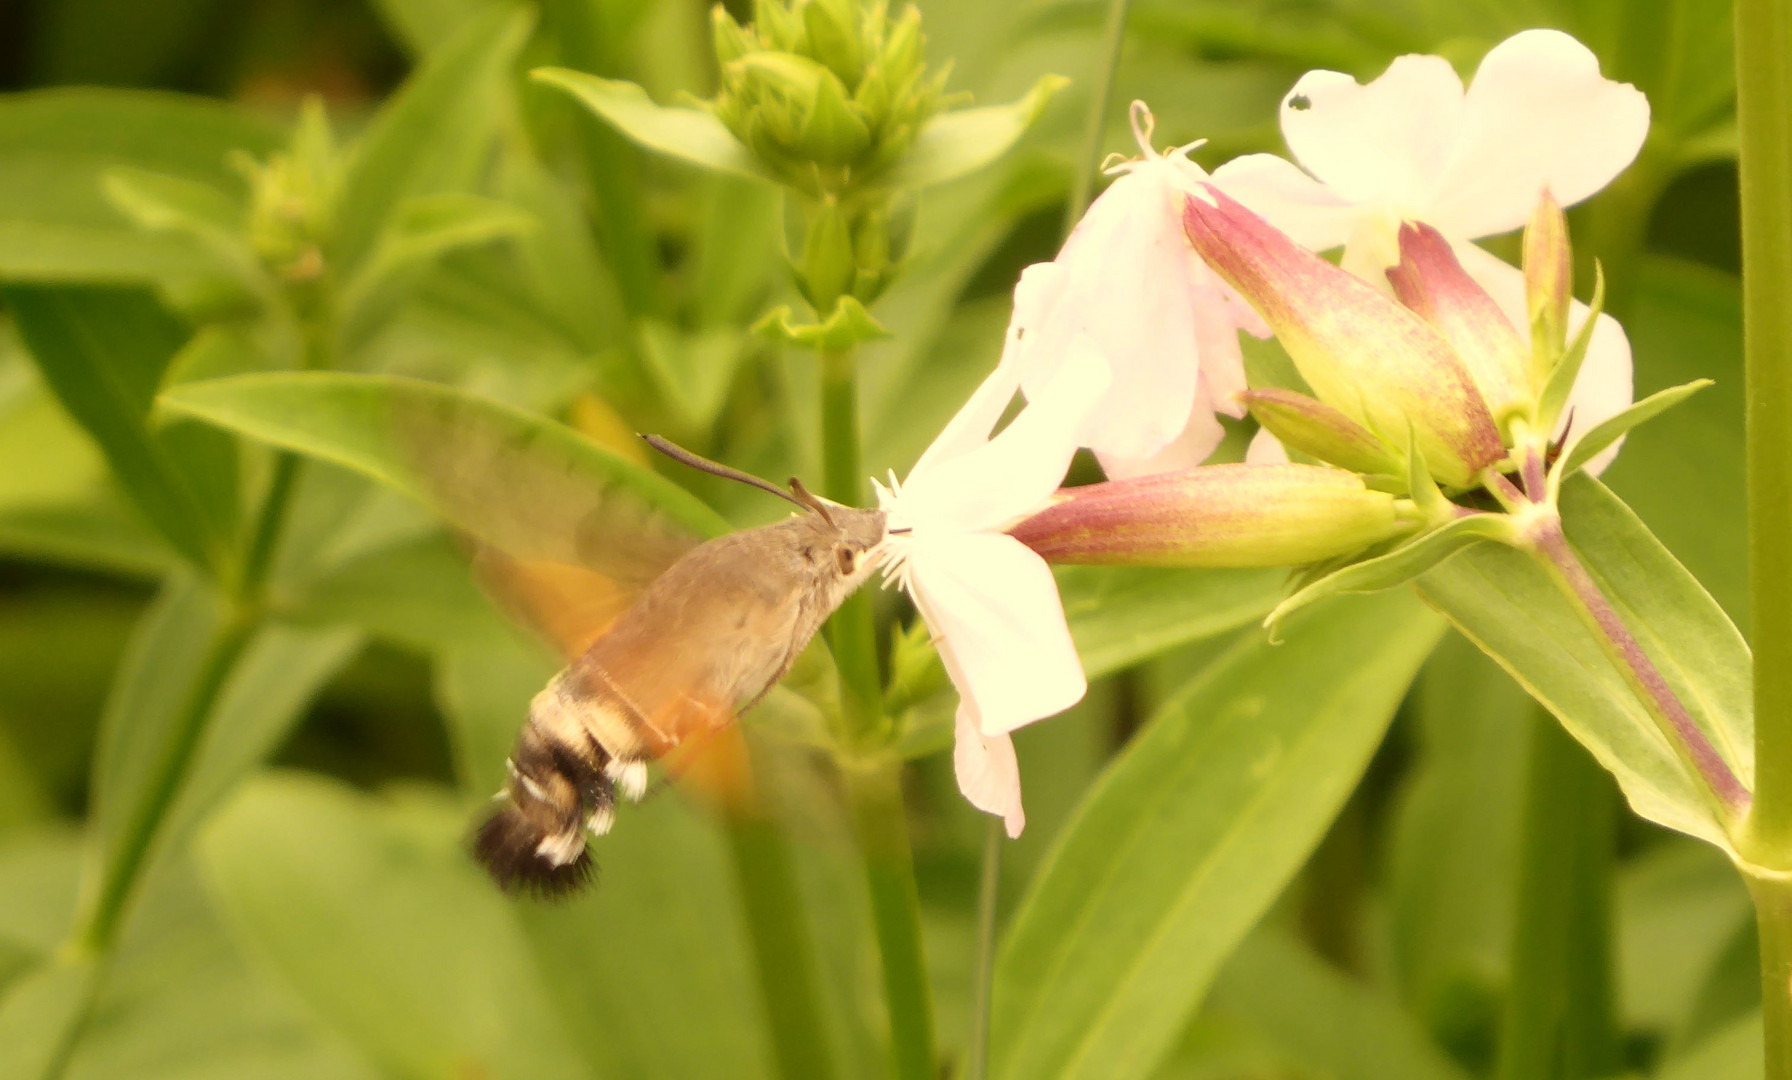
(802, 496)
(715, 468)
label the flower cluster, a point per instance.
(1428, 368)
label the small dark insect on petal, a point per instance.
(1300, 103)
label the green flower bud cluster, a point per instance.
(292, 200)
(827, 94)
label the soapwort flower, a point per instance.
(990, 603)
(1127, 284)
(1414, 146)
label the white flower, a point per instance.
(1413, 146)
(1128, 283)
(991, 603)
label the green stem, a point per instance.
(1083, 182)
(851, 633)
(881, 825)
(1764, 117)
(784, 959)
(259, 554)
(988, 887)
(1559, 1020)
(1772, 894)
(120, 875)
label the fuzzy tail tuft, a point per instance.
(521, 857)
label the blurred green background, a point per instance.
(326, 922)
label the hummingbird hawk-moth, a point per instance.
(696, 642)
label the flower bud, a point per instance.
(828, 268)
(1315, 428)
(1433, 285)
(833, 134)
(1548, 283)
(833, 31)
(1363, 354)
(732, 41)
(1217, 516)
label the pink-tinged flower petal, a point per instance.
(994, 611)
(1362, 353)
(1191, 448)
(992, 483)
(988, 774)
(1537, 115)
(1126, 282)
(1276, 190)
(1433, 285)
(1386, 142)
(1604, 388)
(1215, 516)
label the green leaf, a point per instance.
(849, 324)
(434, 135)
(371, 911)
(37, 1015)
(694, 371)
(1614, 428)
(420, 231)
(1188, 836)
(1679, 906)
(1504, 602)
(1333, 1025)
(692, 135)
(64, 509)
(196, 704)
(174, 205)
(632, 997)
(956, 143)
(55, 145)
(519, 482)
(1735, 1053)
(423, 26)
(104, 353)
(1121, 615)
(1399, 566)
(1452, 874)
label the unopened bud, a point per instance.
(1362, 353)
(1433, 285)
(1548, 284)
(1315, 428)
(1217, 516)
(827, 268)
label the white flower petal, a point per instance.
(987, 771)
(1537, 114)
(1265, 449)
(1013, 474)
(1128, 279)
(1386, 142)
(1604, 388)
(1275, 189)
(994, 611)
(969, 428)
(1187, 450)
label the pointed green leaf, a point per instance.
(419, 232)
(1504, 602)
(1401, 565)
(1189, 836)
(374, 914)
(1121, 615)
(692, 135)
(953, 144)
(104, 352)
(434, 135)
(1611, 430)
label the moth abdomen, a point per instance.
(534, 839)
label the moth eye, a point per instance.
(847, 558)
